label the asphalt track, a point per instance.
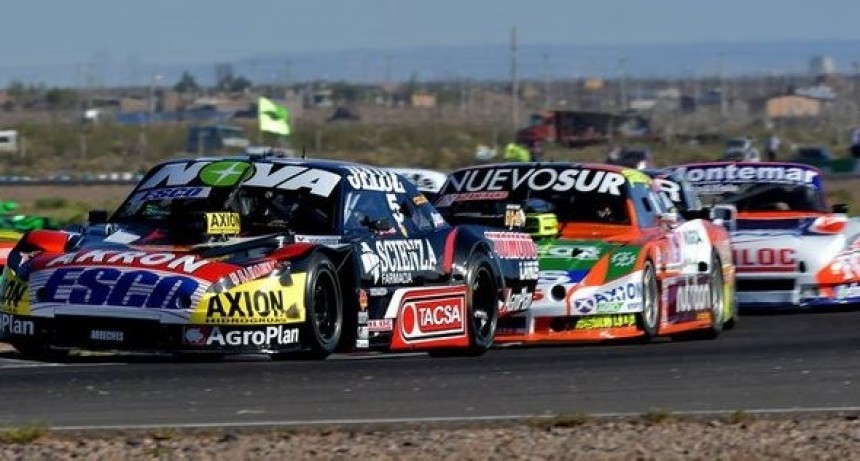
(805, 361)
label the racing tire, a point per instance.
(324, 318)
(482, 308)
(649, 319)
(718, 305)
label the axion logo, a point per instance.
(439, 316)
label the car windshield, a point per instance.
(770, 197)
(569, 207)
(262, 210)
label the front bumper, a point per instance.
(139, 335)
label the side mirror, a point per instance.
(840, 208)
(97, 217)
(668, 220)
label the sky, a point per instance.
(114, 42)
(35, 32)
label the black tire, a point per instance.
(482, 308)
(324, 322)
(732, 322)
(649, 319)
(718, 307)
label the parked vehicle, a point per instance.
(741, 150)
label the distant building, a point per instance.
(822, 65)
(792, 106)
(425, 100)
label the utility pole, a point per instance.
(288, 71)
(546, 90)
(623, 83)
(515, 87)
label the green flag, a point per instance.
(274, 118)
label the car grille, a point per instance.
(106, 333)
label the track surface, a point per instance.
(786, 361)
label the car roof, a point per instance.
(277, 158)
(582, 165)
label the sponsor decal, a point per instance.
(516, 302)
(107, 335)
(671, 189)
(327, 240)
(692, 297)
(432, 316)
(529, 270)
(10, 325)
(692, 237)
(448, 199)
(538, 179)
(419, 200)
(272, 335)
(513, 245)
(560, 277)
(13, 290)
(392, 262)
(252, 272)
(225, 173)
(847, 291)
(374, 179)
(223, 223)
(514, 216)
(583, 253)
(250, 307)
(172, 193)
(380, 325)
(606, 321)
(623, 258)
(622, 296)
(732, 173)
(185, 263)
(765, 259)
(108, 286)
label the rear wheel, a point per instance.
(717, 308)
(649, 319)
(324, 318)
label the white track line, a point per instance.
(452, 419)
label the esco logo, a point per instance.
(433, 317)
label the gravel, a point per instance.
(652, 437)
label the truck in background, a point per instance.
(581, 128)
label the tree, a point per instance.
(186, 84)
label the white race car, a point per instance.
(790, 248)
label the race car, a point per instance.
(791, 249)
(261, 253)
(614, 262)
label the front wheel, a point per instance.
(324, 318)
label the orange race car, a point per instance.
(614, 260)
